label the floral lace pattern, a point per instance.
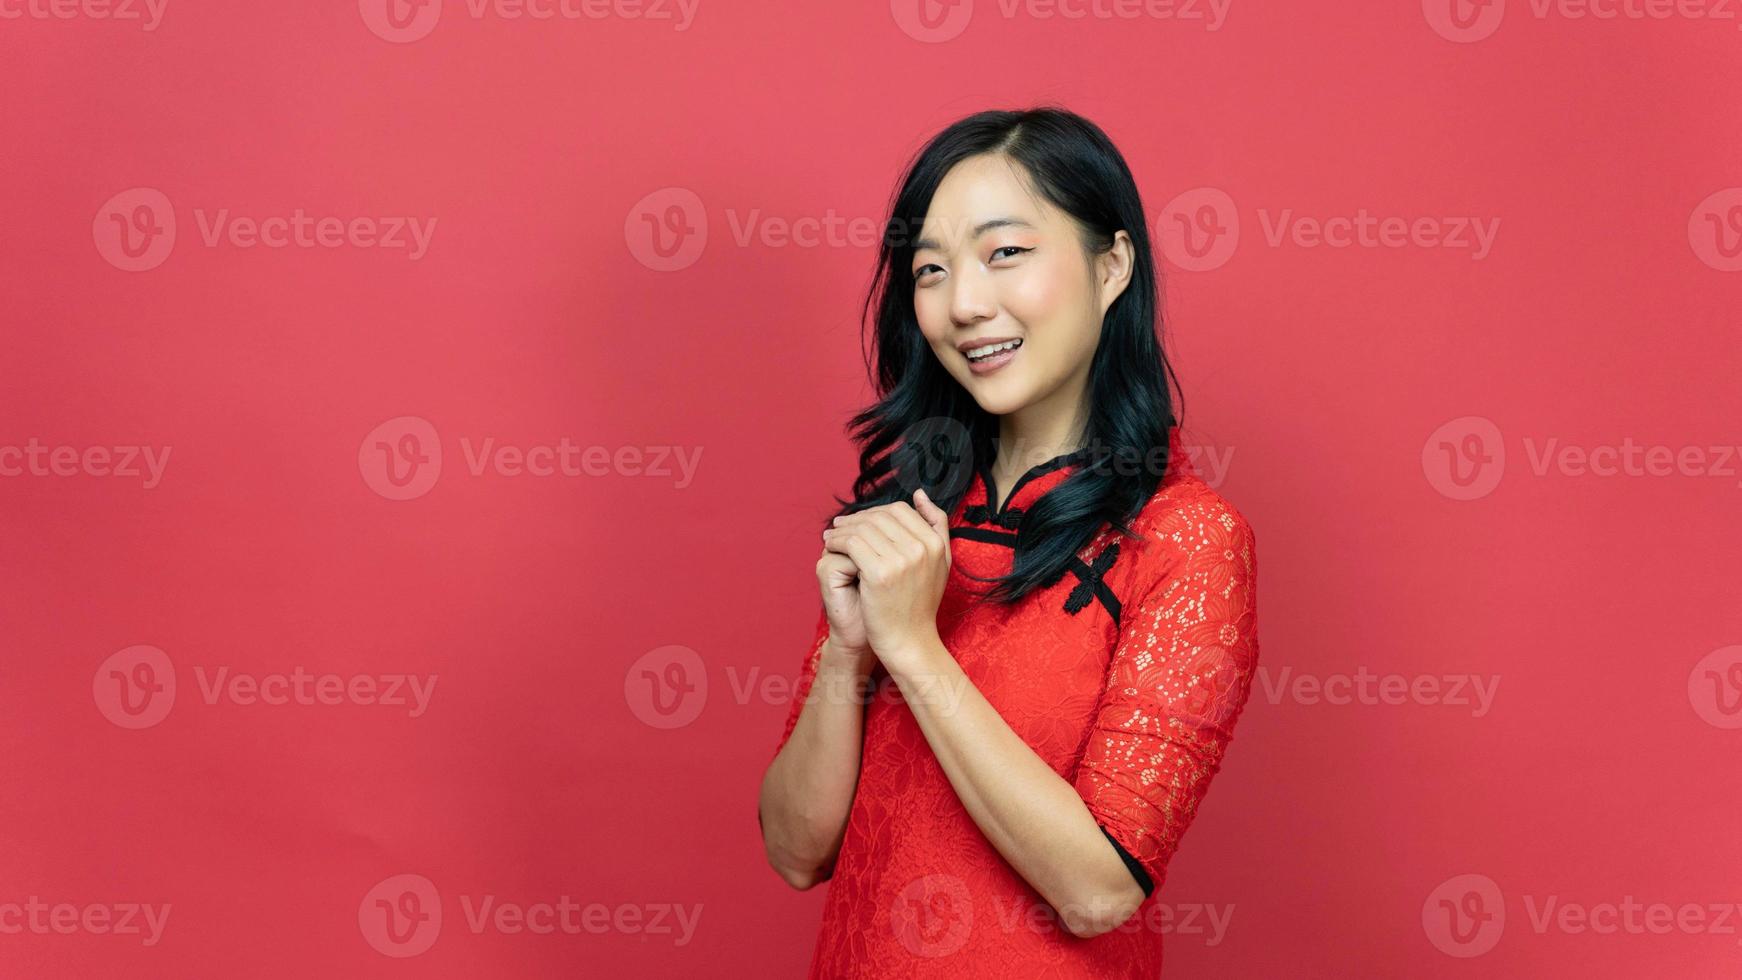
(1178, 681)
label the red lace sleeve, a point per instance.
(806, 674)
(1177, 681)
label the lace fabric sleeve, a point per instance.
(806, 675)
(1176, 683)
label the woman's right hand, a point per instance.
(838, 581)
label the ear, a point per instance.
(1113, 269)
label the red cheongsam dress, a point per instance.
(1126, 675)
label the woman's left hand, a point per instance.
(903, 554)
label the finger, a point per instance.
(895, 536)
(915, 525)
(833, 560)
(833, 566)
(876, 544)
(900, 529)
(851, 543)
(835, 563)
(867, 520)
(934, 515)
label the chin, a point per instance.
(1000, 397)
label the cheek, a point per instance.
(1054, 306)
(933, 315)
(1041, 294)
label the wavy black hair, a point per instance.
(926, 431)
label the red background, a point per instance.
(537, 314)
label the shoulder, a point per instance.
(1187, 522)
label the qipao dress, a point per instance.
(1126, 675)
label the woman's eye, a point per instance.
(1010, 248)
(921, 273)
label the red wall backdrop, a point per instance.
(416, 420)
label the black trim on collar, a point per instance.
(983, 469)
(1004, 538)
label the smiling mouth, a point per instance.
(989, 351)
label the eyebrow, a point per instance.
(979, 229)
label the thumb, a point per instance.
(933, 514)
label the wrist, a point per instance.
(929, 678)
(914, 655)
(836, 658)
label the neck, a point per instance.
(1046, 429)
(1028, 437)
(1051, 426)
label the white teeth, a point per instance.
(990, 349)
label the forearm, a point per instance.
(808, 789)
(1033, 816)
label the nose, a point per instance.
(971, 298)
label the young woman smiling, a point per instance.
(1039, 745)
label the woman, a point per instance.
(1031, 657)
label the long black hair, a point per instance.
(926, 431)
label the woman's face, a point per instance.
(995, 261)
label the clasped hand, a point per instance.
(901, 553)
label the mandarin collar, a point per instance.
(1039, 478)
(1030, 484)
